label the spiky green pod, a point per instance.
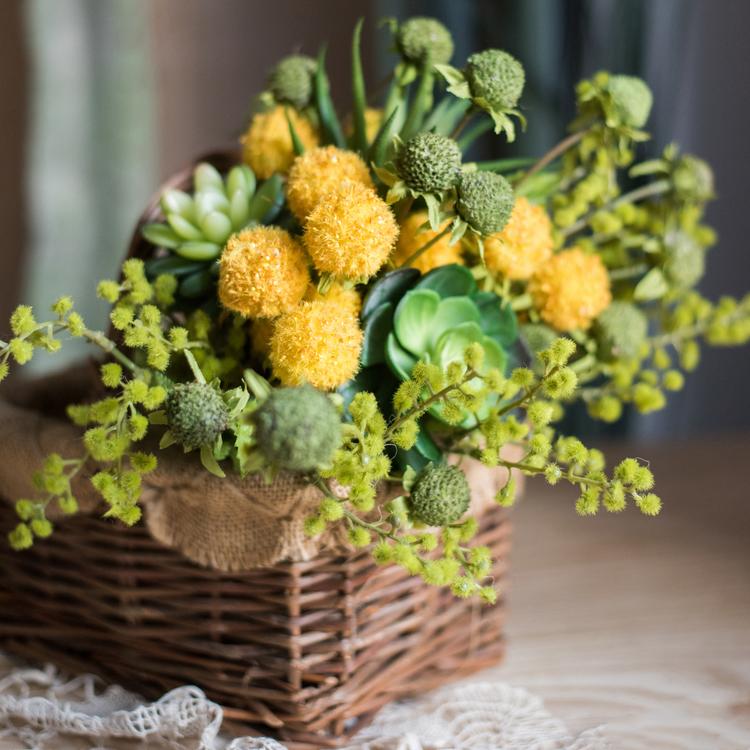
(196, 414)
(424, 40)
(297, 428)
(429, 163)
(685, 259)
(291, 81)
(440, 496)
(485, 201)
(631, 100)
(496, 77)
(693, 179)
(620, 330)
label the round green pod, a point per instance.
(631, 99)
(440, 495)
(620, 330)
(496, 77)
(424, 40)
(196, 414)
(429, 163)
(291, 81)
(485, 201)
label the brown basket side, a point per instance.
(308, 651)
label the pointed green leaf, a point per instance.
(452, 75)
(358, 91)
(267, 201)
(239, 209)
(329, 122)
(379, 149)
(173, 265)
(209, 462)
(652, 286)
(167, 439)
(240, 178)
(376, 331)
(297, 144)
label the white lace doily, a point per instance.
(37, 707)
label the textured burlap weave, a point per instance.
(228, 524)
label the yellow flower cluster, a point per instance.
(411, 239)
(267, 145)
(319, 172)
(318, 342)
(571, 289)
(338, 296)
(263, 272)
(351, 233)
(524, 245)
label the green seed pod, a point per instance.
(620, 330)
(693, 179)
(485, 201)
(291, 81)
(297, 428)
(495, 76)
(631, 100)
(196, 414)
(685, 259)
(440, 495)
(429, 163)
(424, 40)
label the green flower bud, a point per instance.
(686, 261)
(620, 330)
(429, 163)
(298, 428)
(196, 414)
(693, 179)
(485, 201)
(424, 40)
(291, 81)
(631, 100)
(496, 77)
(440, 495)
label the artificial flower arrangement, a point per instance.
(355, 303)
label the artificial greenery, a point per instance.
(362, 307)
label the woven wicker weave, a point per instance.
(308, 651)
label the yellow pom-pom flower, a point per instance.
(267, 145)
(524, 245)
(338, 296)
(319, 172)
(412, 237)
(261, 330)
(571, 289)
(263, 273)
(350, 234)
(319, 343)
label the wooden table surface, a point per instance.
(639, 624)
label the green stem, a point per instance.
(462, 123)
(420, 103)
(554, 153)
(108, 346)
(417, 253)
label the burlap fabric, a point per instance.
(228, 524)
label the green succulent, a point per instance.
(485, 201)
(493, 80)
(440, 495)
(291, 81)
(297, 429)
(422, 41)
(429, 163)
(196, 414)
(620, 330)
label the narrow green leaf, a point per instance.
(470, 135)
(329, 121)
(210, 464)
(504, 165)
(379, 149)
(160, 235)
(420, 105)
(167, 439)
(173, 265)
(297, 144)
(267, 201)
(358, 91)
(376, 331)
(390, 288)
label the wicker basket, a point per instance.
(308, 651)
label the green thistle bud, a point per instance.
(631, 100)
(424, 40)
(693, 179)
(685, 259)
(496, 77)
(440, 495)
(620, 330)
(196, 414)
(298, 428)
(291, 81)
(485, 201)
(429, 163)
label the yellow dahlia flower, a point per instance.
(411, 239)
(319, 172)
(571, 289)
(267, 144)
(350, 233)
(524, 244)
(319, 343)
(263, 272)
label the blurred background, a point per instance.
(103, 99)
